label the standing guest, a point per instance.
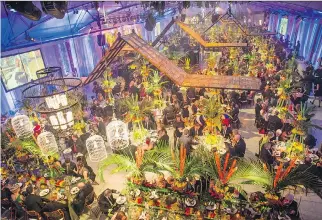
(297, 48)
(196, 130)
(178, 126)
(97, 88)
(274, 122)
(267, 93)
(186, 141)
(106, 201)
(69, 167)
(194, 107)
(239, 145)
(318, 92)
(191, 93)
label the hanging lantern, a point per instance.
(96, 148)
(117, 135)
(22, 126)
(70, 118)
(54, 121)
(47, 143)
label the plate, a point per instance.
(299, 162)
(137, 192)
(67, 151)
(46, 175)
(44, 192)
(74, 190)
(211, 207)
(121, 200)
(190, 202)
(75, 180)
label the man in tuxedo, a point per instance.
(186, 141)
(148, 123)
(106, 201)
(274, 122)
(69, 167)
(226, 131)
(240, 145)
(266, 154)
(85, 189)
(33, 202)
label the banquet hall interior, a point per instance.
(161, 110)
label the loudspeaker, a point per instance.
(101, 40)
(214, 18)
(27, 9)
(150, 22)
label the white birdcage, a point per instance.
(96, 148)
(22, 126)
(117, 135)
(47, 143)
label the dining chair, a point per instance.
(55, 215)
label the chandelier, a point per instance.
(57, 98)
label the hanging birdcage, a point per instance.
(96, 148)
(117, 135)
(47, 143)
(22, 126)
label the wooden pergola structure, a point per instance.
(169, 68)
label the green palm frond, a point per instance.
(252, 171)
(298, 177)
(122, 162)
(135, 107)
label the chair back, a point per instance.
(33, 215)
(55, 215)
(90, 198)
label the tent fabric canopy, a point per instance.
(82, 18)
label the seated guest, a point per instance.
(239, 145)
(168, 113)
(81, 197)
(266, 154)
(84, 170)
(279, 135)
(226, 132)
(185, 111)
(106, 201)
(148, 123)
(290, 206)
(16, 196)
(274, 122)
(163, 137)
(33, 202)
(194, 107)
(196, 130)
(69, 167)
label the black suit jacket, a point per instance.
(106, 204)
(266, 156)
(226, 134)
(34, 203)
(71, 168)
(193, 132)
(79, 200)
(240, 148)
